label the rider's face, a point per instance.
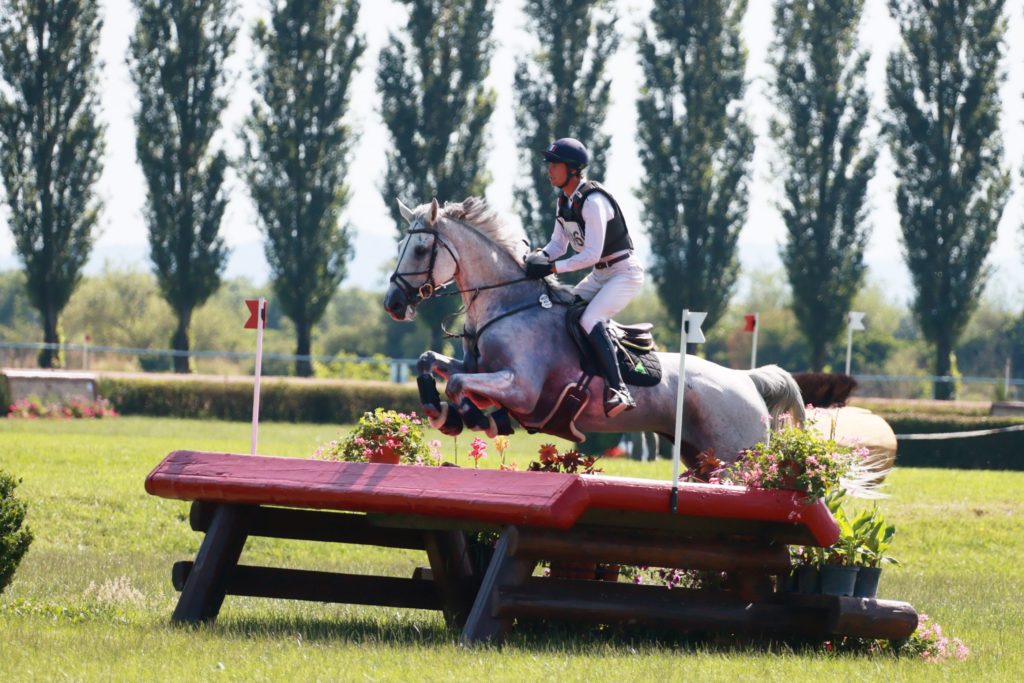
(558, 173)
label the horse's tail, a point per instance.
(780, 392)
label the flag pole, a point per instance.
(676, 442)
(261, 321)
(753, 342)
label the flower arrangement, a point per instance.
(792, 458)
(381, 436)
(570, 462)
(33, 408)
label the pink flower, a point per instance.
(477, 450)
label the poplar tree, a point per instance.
(297, 151)
(436, 108)
(696, 146)
(943, 129)
(826, 161)
(177, 59)
(51, 146)
(562, 90)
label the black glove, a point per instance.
(538, 265)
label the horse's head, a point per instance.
(426, 261)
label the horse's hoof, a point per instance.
(449, 423)
(502, 423)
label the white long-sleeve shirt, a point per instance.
(597, 211)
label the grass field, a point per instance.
(92, 599)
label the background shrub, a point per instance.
(285, 401)
(14, 540)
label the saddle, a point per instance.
(634, 347)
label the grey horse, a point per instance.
(519, 355)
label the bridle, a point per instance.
(413, 294)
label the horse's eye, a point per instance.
(420, 251)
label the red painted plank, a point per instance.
(528, 498)
(712, 500)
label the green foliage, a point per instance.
(827, 161)
(279, 400)
(51, 146)
(943, 129)
(696, 146)
(177, 56)
(14, 537)
(297, 152)
(377, 431)
(562, 90)
(436, 108)
(346, 367)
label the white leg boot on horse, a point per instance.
(616, 396)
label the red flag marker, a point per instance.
(257, 311)
(750, 322)
(254, 315)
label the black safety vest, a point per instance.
(616, 236)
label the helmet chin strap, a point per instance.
(573, 172)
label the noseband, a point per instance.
(426, 290)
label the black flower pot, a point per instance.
(837, 579)
(808, 579)
(867, 582)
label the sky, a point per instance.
(122, 241)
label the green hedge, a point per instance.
(283, 401)
(999, 451)
(924, 423)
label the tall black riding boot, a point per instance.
(616, 396)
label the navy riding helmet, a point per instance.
(569, 151)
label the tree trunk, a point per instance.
(180, 342)
(50, 357)
(303, 365)
(944, 390)
(817, 355)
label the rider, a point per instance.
(588, 218)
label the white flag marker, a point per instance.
(855, 321)
(690, 333)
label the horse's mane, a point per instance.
(479, 215)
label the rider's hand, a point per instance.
(538, 265)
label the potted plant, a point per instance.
(874, 538)
(793, 458)
(839, 572)
(383, 436)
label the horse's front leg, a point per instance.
(473, 391)
(433, 362)
(440, 415)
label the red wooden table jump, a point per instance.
(529, 498)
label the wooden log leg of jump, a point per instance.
(204, 589)
(483, 626)
(452, 574)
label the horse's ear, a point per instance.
(405, 211)
(434, 210)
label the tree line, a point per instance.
(694, 141)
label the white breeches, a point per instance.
(609, 290)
